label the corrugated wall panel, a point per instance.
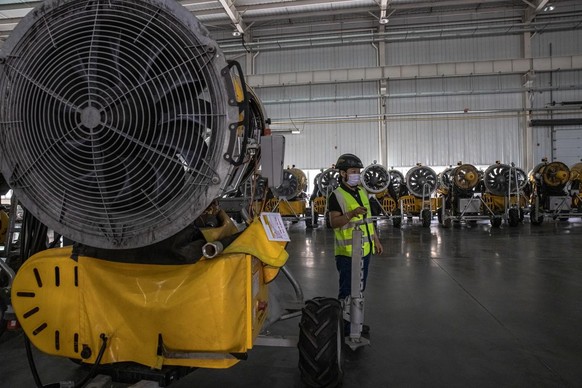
(453, 50)
(562, 43)
(319, 145)
(476, 102)
(457, 84)
(316, 58)
(443, 141)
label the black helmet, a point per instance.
(346, 161)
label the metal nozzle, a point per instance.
(212, 249)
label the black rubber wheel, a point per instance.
(321, 337)
(397, 222)
(3, 322)
(535, 216)
(513, 215)
(440, 215)
(496, 221)
(447, 222)
(425, 216)
(308, 221)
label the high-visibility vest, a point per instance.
(343, 235)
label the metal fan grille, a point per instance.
(329, 180)
(396, 181)
(294, 183)
(375, 178)
(500, 179)
(114, 119)
(465, 177)
(421, 181)
(556, 174)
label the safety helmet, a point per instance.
(346, 161)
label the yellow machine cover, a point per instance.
(200, 315)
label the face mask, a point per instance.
(353, 179)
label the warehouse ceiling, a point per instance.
(243, 25)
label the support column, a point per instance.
(527, 162)
(382, 105)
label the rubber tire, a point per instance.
(537, 221)
(426, 217)
(513, 217)
(3, 322)
(447, 222)
(308, 221)
(321, 337)
(496, 221)
(397, 222)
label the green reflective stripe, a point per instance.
(344, 243)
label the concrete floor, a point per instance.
(468, 306)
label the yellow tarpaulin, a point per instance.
(205, 313)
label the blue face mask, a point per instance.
(353, 179)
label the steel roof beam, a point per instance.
(533, 9)
(234, 15)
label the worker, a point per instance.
(348, 204)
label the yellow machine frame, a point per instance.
(413, 205)
(286, 208)
(496, 203)
(198, 315)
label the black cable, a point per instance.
(33, 240)
(93, 370)
(33, 369)
(81, 383)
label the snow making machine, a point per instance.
(122, 125)
(316, 207)
(376, 180)
(289, 198)
(327, 181)
(421, 182)
(555, 194)
(463, 199)
(505, 192)
(576, 186)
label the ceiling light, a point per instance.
(549, 8)
(236, 33)
(383, 20)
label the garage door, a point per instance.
(567, 144)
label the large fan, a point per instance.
(397, 184)
(294, 183)
(119, 119)
(556, 174)
(421, 181)
(445, 179)
(500, 179)
(465, 177)
(329, 180)
(576, 172)
(375, 178)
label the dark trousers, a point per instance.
(344, 267)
